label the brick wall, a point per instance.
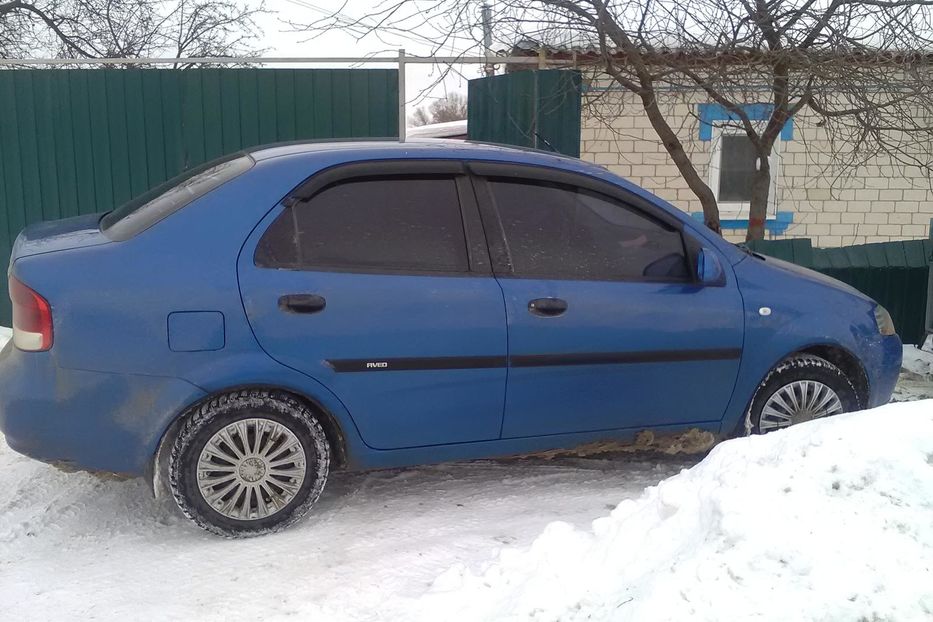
(832, 204)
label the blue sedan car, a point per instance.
(244, 329)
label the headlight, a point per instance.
(884, 322)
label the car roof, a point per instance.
(413, 148)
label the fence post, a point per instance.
(928, 324)
(402, 117)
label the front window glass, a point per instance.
(554, 230)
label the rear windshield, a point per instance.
(169, 197)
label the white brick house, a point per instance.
(812, 196)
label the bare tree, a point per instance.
(451, 108)
(420, 117)
(860, 67)
(128, 28)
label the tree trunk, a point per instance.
(758, 206)
(710, 210)
(676, 150)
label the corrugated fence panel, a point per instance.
(83, 141)
(559, 108)
(512, 110)
(895, 274)
(539, 109)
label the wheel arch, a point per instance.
(835, 353)
(332, 429)
(850, 365)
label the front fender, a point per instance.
(785, 313)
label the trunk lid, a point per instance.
(59, 235)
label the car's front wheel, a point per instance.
(249, 462)
(801, 388)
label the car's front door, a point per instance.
(608, 328)
(374, 279)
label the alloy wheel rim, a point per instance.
(797, 402)
(251, 469)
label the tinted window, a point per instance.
(568, 232)
(172, 195)
(397, 223)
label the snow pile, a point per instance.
(830, 520)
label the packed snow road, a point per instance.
(757, 529)
(72, 545)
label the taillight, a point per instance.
(32, 318)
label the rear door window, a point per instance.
(397, 223)
(561, 231)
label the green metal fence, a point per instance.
(83, 141)
(895, 274)
(539, 109)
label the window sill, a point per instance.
(778, 224)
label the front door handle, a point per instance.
(302, 303)
(547, 307)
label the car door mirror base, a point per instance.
(709, 268)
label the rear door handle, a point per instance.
(302, 303)
(547, 307)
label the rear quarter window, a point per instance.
(167, 198)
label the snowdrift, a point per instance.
(830, 520)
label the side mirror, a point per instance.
(709, 268)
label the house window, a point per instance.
(737, 166)
(733, 163)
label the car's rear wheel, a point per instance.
(801, 388)
(248, 463)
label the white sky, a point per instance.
(420, 79)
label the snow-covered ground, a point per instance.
(76, 546)
(916, 381)
(826, 521)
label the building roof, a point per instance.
(448, 129)
(592, 54)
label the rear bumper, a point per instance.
(883, 370)
(86, 420)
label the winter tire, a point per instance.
(248, 463)
(800, 388)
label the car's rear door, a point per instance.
(375, 280)
(608, 328)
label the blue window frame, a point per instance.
(729, 173)
(711, 113)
